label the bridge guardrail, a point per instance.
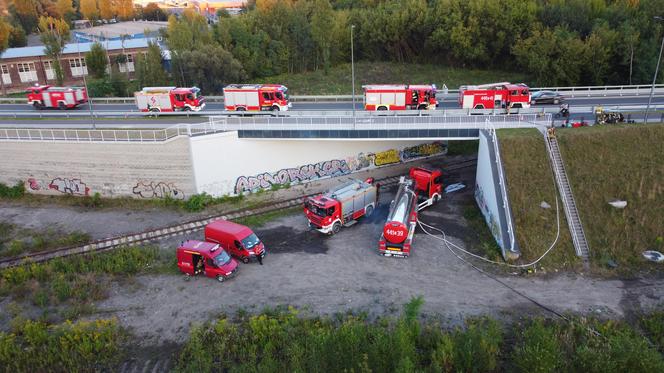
(271, 123)
(582, 91)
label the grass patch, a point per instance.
(530, 182)
(86, 346)
(653, 326)
(622, 162)
(77, 282)
(338, 80)
(259, 220)
(15, 241)
(484, 243)
(458, 147)
(281, 340)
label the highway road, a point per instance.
(7, 111)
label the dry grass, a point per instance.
(530, 182)
(618, 162)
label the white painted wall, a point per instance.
(485, 190)
(220, 160)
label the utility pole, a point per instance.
(85, 82)
(352, 69)
(654, 78)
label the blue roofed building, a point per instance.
(27, 66)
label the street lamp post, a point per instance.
(85, 83)
(352, 69)
(654, 78)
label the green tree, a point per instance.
(26, 13)
(321, 23)
(54, 33)
(211, 68)
(152, 12)
(96, 60)
(17, 37)
(149, 68)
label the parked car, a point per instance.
(238, 240)
(546, 97)
(206, 258)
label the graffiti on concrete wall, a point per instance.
(157, 190)
(488, 216)
(336, 167)
(33, 184)
(69, 186)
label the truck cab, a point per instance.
(427, 184)
(240, 241)
(206, 258)
(188, 99)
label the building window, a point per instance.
(48, 69)
(128, 65)
(77, 66)
(27, 72)
(6, 78)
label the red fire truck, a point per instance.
(169, 99)
(400, 97)
(256, 97)
(328, 212)
(45, 96)
(422, 189)
(494, 96)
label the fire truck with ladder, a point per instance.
(328, 212)
(400, 97)
(502, 95)
(169, 99)
(422, 189)
(45, 96)
(256, 97)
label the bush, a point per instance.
(100, 88)
(14, 192)
(653, 325)
(538, 349)
(80, 347)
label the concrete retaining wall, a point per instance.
(141, 170)
(226, 164)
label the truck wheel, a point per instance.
(245, 260)
(381, 108)
(240, 109)
(275, 108)
(62, 106)
(220, 278)
(186, 108)
(368, 211)
(422, 107)
(436, 198)
(336, 228)
(37, 105)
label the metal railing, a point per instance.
(273, 123)
(581, 91)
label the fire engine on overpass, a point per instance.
(400, 97)
(45, 96)
(422, 189)
(256, 97)
(503, 95)
(328, 212)
(169, 99)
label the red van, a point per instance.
(237, 239)
(196, 257)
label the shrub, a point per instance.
(100, 87)
(477, 348)
(14, 192)
(653, 325)
(538, 350)
(83, 346)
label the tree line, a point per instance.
(556, 42)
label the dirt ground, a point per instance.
(327, 275)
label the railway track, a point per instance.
(133, 239)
